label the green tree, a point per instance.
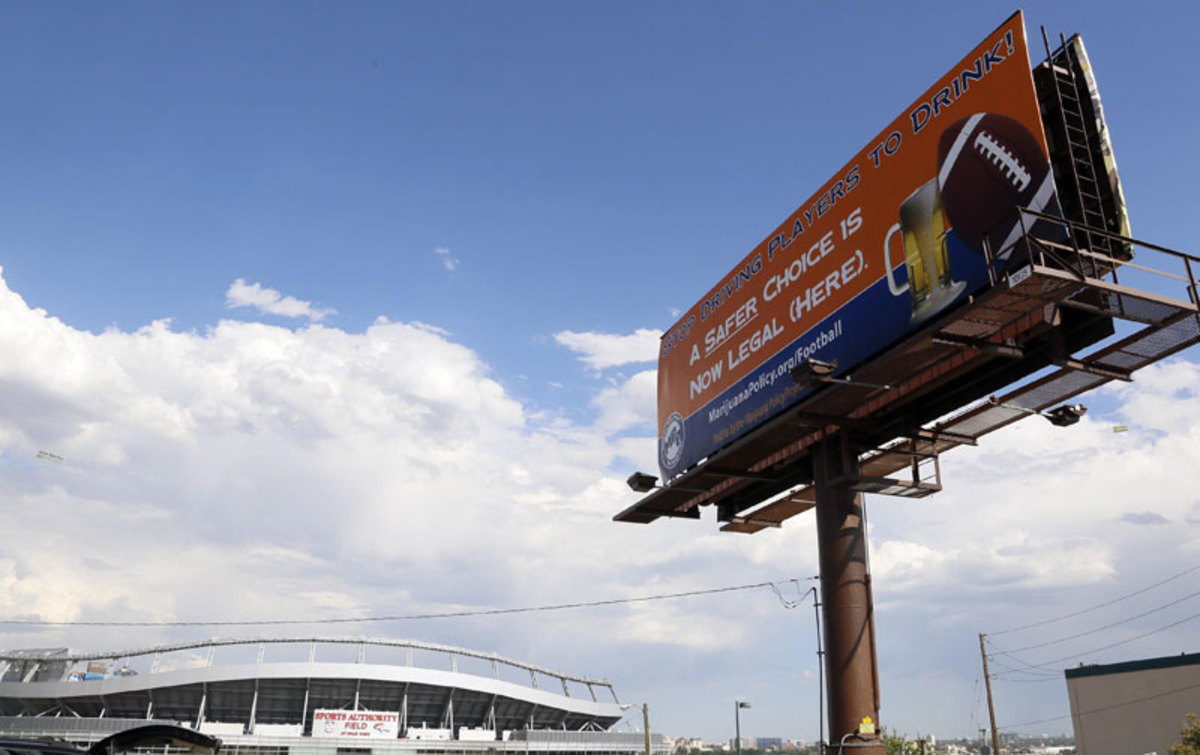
(1189, 738)
(894, 744)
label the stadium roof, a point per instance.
(433, 686)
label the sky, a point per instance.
(352, 310)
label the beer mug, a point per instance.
(926, 254)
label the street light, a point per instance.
(645, 720)
(737, 723)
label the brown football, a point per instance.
(988, 165)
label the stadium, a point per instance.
(316, 696)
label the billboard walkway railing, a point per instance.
(766, 477)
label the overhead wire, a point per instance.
(1021, 675)
(1098, 606)
(412, 617)
(1010, 669)
(1030, 667)
(788, 603)
(1045, 664)
(1121, 704)
(1044, 672)
(1106, 626)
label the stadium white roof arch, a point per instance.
(276, 680)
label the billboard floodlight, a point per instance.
(1061, 416)
(813, 371)
(1065, 415)
(640, 482)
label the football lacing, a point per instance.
(1009, 166)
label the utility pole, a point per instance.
(987, 681)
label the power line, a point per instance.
(405, 617)
(1006, 668)
(790, 604)
(1106, 707)
(1008, 676)
(1045, 664)
(1107, 626)
(1099, 606)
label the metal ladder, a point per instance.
(1074, 142)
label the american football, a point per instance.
(989, 164)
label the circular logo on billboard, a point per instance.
(670, 446)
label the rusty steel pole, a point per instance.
(851, 671)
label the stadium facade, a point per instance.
(317, 696)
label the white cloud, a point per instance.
(257, 471)
(449, 261)
(1037, 520)
(602, 350)
(271, 302)
(628, 404)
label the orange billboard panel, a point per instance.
(893, 239)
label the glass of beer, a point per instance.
(926, 255)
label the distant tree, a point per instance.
(1189, 738)
(894, 744)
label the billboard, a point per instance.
(364, 724)
(890, 242)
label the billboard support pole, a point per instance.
(851, 671)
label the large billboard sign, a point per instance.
(362, 724)
(891, 241)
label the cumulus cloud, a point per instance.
(251, 470)
(629, 404)
(449, 261)
(602, 350)
(256, 471)
(271, 302)
(1038, 518)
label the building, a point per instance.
(317, 696)
(1135, 706)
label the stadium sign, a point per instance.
(891, 242)
(356, 723)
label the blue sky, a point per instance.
(591, 166)
(525, 193)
